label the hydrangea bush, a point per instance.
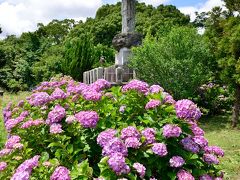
(69, 130)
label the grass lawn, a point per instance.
(217, 130)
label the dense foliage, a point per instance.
(180, 61)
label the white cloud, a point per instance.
(202, 7)
(19, 16)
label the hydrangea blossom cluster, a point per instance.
(115, 145)
(58, 94)
(61, 172)
(56, 115)
(25, 169)
(131, 137)
(140, 169)
(117, 163)
(153, 103)
(100, 84)
(186, 109)
(3, 166)
(184, 175)
(87, 119)
(190, 145)
(39, 99)
(137, 85)
(214, 150)
(168, 99)
(12, 141)
(160, 149)
(31, 123)
(155, 89)
(105, 136)
(170, 130)
(149, 135)
(176, 161)
(11, 123)
(210, 159)
(56, 128)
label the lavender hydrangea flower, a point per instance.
(70, 119)
(11, 123)
(176, 161)
(140, 169)
(149, 134)
(87, 119)
(160, 149)
(117, 163)
(12, 141)
(132, 142)
(190, 145)
(3, 166)
(100, 84)
(58, 94)
(28, 165)
(200, 140)
(210, 159)
(184, 175)
(197, 131)
(105, 136)
(168, 99)
(214, 150)
(56, 115)
(153, 103)
(186, 109)
(4, 152)
(56, 128)
(130, 131)
(205, 177)
(21, 175)
(61, 173)
(31, 123)
(155, 89)
(113, 146)
(137, 85)
(91, 95)
(122, 109)
(39, 99)
(170, 130)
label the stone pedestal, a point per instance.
(121, 58)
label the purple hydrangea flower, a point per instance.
(176, 161)
(153, 103)
(91, 95)
(122, 109)
(117, 163)
(170, 130)
(31, 123)
(18, 146)
(11, 123)
(113, 146)
(12, 141)
(205, 177)
(58, 94)
(56, 128)
(197, 131)
(200, 140)
(210, 159)
(4, 152)
(105, 136)
(137, 85)
(149, 134)
(21, 175)
(56, 115)
(168, 99)
(100, 84)
(214, 150)
(155, 89)
(61, 173)
(132, 142)
(130, 131)
(39, 99)
(28, 165)
(70, 119)
(3, 165)
(190, 145)
(186, 109)
(20, 103)
(87, 119)
(184, 175)
(140, 169)
(160, 149)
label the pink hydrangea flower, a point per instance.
(56, 128)
(140, 169)
(170, 130)
(184, 175)
(61, 172)
(3, 166)
(87, 119)
(176, 161)
(153, 103)
(160, 149)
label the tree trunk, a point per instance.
(236, 106)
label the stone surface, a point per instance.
(128, 15)
(126, 40)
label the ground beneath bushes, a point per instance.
(217, 128)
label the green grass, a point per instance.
(217, 129)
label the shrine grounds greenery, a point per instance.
(217, 128)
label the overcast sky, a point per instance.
(17, 16)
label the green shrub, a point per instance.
(64, 126)
(179, 61)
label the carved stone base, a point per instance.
(127, 40)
